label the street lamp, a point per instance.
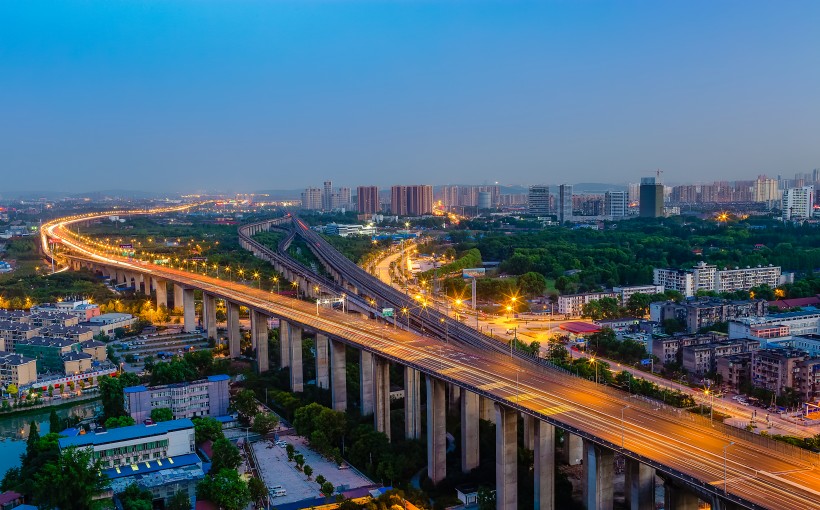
(724, 464)
(592, 360)
(276, 281)
(622, 424)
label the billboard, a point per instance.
(475, 272)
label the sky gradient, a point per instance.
(243, 96)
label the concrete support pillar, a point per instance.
(284, 343)
(296, 373)
(162, 292)
(454, 393)
(639, 485)
(366, 382)
(506, 458)
(381, 392)
(177, 295)
(599, 471)
(544, 466)
(339, 374)
(188, 311)
(259, 336)
(209, 315)
(529, 432)
(234, 334)
(469, 431)
(412, 403)
(322, 374)
(485, 409)
(676, 497)
(436, 431)
(573, 450)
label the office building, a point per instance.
(651, 205)
(615, 204)
(327, 196)
(538, 200)
(414, 200)
(367, 199)
(565, 203)
(798, 203)
(312, 199)
(205, 397)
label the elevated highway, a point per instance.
(725, 467)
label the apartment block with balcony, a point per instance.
(775, 369)
(205, 397)
(17, 369)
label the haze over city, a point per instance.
(229, 96)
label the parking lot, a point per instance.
(276, 470)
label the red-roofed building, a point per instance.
(10, 499)
(786, 304)
(580, 328)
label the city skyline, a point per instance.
(255, 96)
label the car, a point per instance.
(743, 402)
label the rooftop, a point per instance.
(46, 341)
(126, 433)
(152, 466)
(11, 358)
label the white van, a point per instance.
(279, 493)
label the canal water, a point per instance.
(14, 430)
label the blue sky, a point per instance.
(241, 95)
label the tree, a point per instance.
(111, 392)
(532, 284)
(328, 489)
(638, 305)
(119, 421)
(136, 498)
(291, 451)
(263, 423)
(225, 455)
(245, 404)
(33, 438)
(179, 501)
(225, 489)
(207, 429)
(308, 471)
(299, 459)
(486, 498)
(320, 479)
(12, 390)
(257, 489)
(604, 308)
(78, 476)
(162, 414)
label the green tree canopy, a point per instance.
(162, 414)
(225, 455)
(225, 489)
(77, 475)
(263, 423)
(207, 428)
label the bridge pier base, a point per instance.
(485, 409)
(381, 392)
(506, 458)
(436, 431)
(366, 382)
(338, 388)
(296, 372)
(573, 450)
(322, 375)
(412, 403)
(188, 310)
(544, 465)
(529, 432)
(284, 343)
(454, 396)
(639, 486)
(599, 472)
(469, 431)
(234, 334)
(209, 315)
(259, 336)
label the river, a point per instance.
(14, 430)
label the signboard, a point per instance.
(126, 246)
(647, 361)
(475, 272)
(387, 312)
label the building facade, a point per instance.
(651, 202)
(798, 203)
(206, 397)
(565, 203)
(416, 200)
(367, 199)
(538, 200)
(616, 204)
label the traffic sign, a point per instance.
(387, 312)
(647, 361)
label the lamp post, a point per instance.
(724, 464)
(592, 360)
(622, 424)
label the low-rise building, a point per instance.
(706, 312)
(83, 310)
(205, 397)
(95, 348)
(108, 322)
(775, 369)
(16, 369)
(53, 318)
(735, 370)
(798, 324)
(47, 351)
(807, 378)
(701, 359)
(573, 304)
(336, 229)
(621, 325)
(624, 293)
(668, 348)
(76, 333)
(76, 362)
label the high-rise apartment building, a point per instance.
(565, 203)
(651, 198)
(538, 200)
(798, 203)
(616, 203)
(414, 200)
(633, 192)
(766, 190)
(367, 199)
(312, 199)
(340, 199)
(327, 196)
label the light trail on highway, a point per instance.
(757, 476)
